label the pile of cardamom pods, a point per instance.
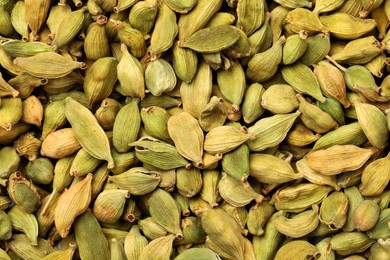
(194, 129)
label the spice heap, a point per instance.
(198, 129)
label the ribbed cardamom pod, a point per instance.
(347, 243)
(232, 83)
(46, 219)
(346, 27)
(142, 16)
(359, 76)
(69, 27)
(6, 89)
(303, 80)
(32, 111)
(251, 107)
(270, 169)
(28, 145)
(224, 232)
(366, 215)
(85, 227)
(10, 161)
(72, 203)
(314, 117)
(21, 246)
(297, 249)
(159, 154)
(40, 171)
(160, 77)
(48, 65)
(376, 65)
(202, 12)
(300, 136)
(188, 181)
(332, 82)
(159, 248)
(56, 15)
(339, 158)
(181, 7)
(303, 19)
(7, 137)
(381, 249)
(116, 249)
(221, 18)
(24, 222)
(236, 192)
(130, 75)
(241, 48)
(130, 179)
(192, 230)
(213, 115)
(63, 84)
(88, 131)
(294, 47)
(6, 226)
(210, 192)
(375, 177)
(346, 134)
(109, 205)
(359, 51)
(19, 188)
(184, 62)
(315, 177)
(373, 122)
(325, 6)
(332, 107)
(212, 39)
(100, 79)
(188, 137)
(107, 113)
(333, 210)
(380, 17)
(122, 161)
(19, 48)
(196, 94)
(258, 217)
(155, 121)
(7, 63)
(11, 111)
(270, 131)
(36, 13)
(277, 21)
(298, 225)
(53, 117)
(131, 212)
(236, 163)
(268, 61)
(250, 15)
(126, 126)
(165, 212)
(224, 139)
(355, 198)
(183, 202)
(279, 99)
(83, 163)
(133, 38)
(18, 19)
(96, 43)
(134, 243)
(165, 29)
(151, 229)
(266, 246)
(300, 197)
(318, 46)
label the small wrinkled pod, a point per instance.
(300, 136)
(40, 171)
(375, 177)
(279, 99)
(151, 229)
(134, 243)
(251, 106)
(333, 211)
(21, 246)
(32, 111)
(297, 249)
(109, 205)
(130, 179)
(155, 121)
(347, 243)
(318, 46)
(213, 115)
(133, 38)
(258, 217)
(63, 254)
(107, 112)
(236, 163)
(192, 230)
(19, 188)
(210, 192)
(188, 181)
(300, 19)
(28, 145)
